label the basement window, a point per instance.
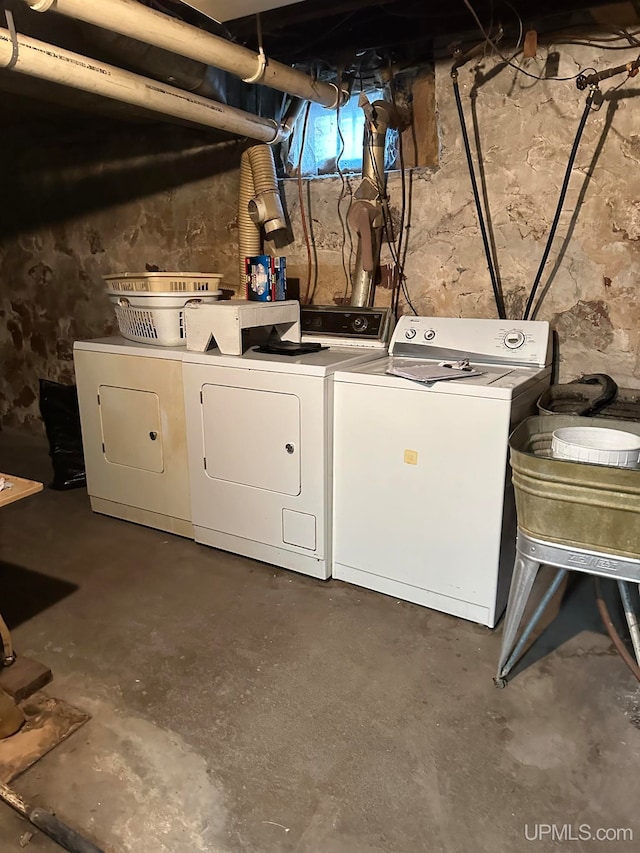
(333, 139)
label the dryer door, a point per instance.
(252, 437)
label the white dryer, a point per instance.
(423, 504)
(133, 431)
(259, 434)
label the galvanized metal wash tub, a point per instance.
(594, 507)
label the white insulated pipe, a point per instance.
(130, 18)
(47, 62)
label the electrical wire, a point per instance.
(303, 215)
(405, 247)
(520, 25)
(562, 37)
(398, 279)
(581, 196)
(599, 46)
(563, 193)
(303, 39)
(497, 293)
(612, 631)
(505, 59)
(343, 192)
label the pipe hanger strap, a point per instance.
(262, 67)
(14, 40)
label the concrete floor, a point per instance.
(237, 707)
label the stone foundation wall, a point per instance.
(168, 197)
(526, 129)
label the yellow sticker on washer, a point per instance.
(411, 457)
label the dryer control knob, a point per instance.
(409, 334)
(514, 339)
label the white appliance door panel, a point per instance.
(138, 446)
(123, 399)
(252, 437)
(240, 421)
(419, 486)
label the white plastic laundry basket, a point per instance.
(163, 282)
(156, 318)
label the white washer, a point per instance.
(423, 508)
(259, 433)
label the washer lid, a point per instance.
(499, 381)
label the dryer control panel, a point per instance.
(345, 325)
(489, 341)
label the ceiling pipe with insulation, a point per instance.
(130, 18)
(47, 62)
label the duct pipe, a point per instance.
(47, 62)
(366, 210)
(130, 18)
(249, 237)
(265, 208)
(259, 203)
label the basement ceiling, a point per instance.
(334, 30)
(320, 36)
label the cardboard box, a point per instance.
(266, 278)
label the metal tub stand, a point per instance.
(530, 555)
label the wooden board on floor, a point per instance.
(24, 677)
(19, 488)
(49, 722)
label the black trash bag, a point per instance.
(61, 416)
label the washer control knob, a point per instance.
(429, 335)
(360, 324)
(410, 334)
(514, 339)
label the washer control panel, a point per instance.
(515, 338)
(494, 341)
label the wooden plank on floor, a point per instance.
(24, 677)
(16, 488)
(49, 721)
